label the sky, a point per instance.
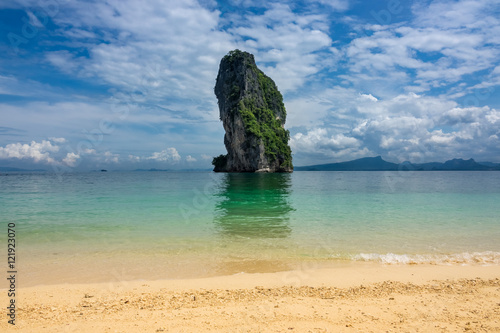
(123, 84)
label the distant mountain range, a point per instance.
(174, 170)
(362, 164)
(9, 169)
(378, 164)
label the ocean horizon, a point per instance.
(114, 226)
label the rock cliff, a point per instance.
(253, 115)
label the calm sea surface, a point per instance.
(91, 227)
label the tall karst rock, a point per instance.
(253, 115)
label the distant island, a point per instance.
(11, 169)
(378, 164)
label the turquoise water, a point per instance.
(89, 227)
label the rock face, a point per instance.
(253, 115)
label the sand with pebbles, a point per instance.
(358, 298)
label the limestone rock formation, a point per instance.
(253, 115)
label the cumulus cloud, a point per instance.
(426, 134)
(189, 158)
(166, 155)
(320, 143)
(110, 157)
(51, 152)
(71, 159)
(169, 155)
(134, 158)
(36, 151)
(406, 127)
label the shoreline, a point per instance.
(94, 269)
(351, 297)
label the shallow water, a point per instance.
(90, 227)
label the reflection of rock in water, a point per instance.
(254, 205)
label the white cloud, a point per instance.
(319, 142)
(167, 155)
(109, 157)
(159, 49)
(134, 158)
(406, 127)
(57, 140)
(63, 60)
(369, 97)
(332, 107)
(156, 52)
(290, 42)
(337, 5)
(397, 90)
(42, 119)
(445, 42)
(23, 87)
(455, 14)
(460, 53)
(493, 117)
(440, 138)
(71, 159)
(307, 112)
(52, 152)
(33, 20)
(463, 115)
(189, 159)
(36, 151)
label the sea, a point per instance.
(120, 226)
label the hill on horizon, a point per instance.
(12, 169)
(378, 164)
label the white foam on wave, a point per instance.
(476, 258)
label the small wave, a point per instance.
(476, 258)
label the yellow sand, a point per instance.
(357, 297)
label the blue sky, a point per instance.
(123, 84)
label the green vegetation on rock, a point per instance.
(219, 162)
(264, 122)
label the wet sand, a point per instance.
(357, 297)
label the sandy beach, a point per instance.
(356, 297)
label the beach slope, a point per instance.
(353, 298)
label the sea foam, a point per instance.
(476, 258)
